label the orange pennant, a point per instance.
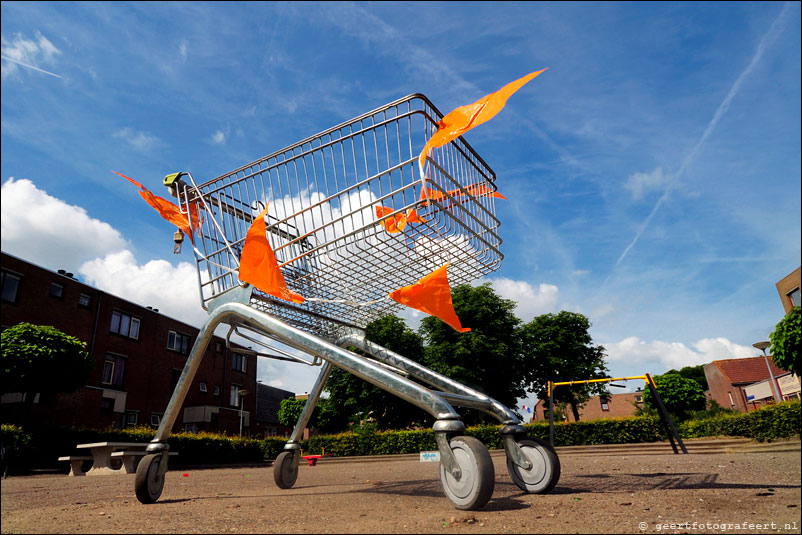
(167, 209)
(477, 190)
(258, 265)
(462, 119)
(431, 295)
(398, 222)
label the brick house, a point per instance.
(596, 408)
(727, 380)
(139, 354)
(788, 289)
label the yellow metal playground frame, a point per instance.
(671, 431)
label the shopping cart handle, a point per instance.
(169, 180)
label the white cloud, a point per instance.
(49, 232)
(218, 138)
(142, 141)
(661, 355)
(157, 283)
(27, 53)
(532, 300)
(183, 49)
(641, 183)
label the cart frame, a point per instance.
(313, 240)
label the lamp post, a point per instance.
(255, 424)
(762, 346)
(241, 394)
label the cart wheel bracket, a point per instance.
(447, 458)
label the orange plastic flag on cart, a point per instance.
(477, 190)
(258, 265)
(398, 222)
(167, 209)
(462, 119)
(431, 295)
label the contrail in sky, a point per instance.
(768, 39)
(29, 66)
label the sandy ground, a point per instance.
(695, 493)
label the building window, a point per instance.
(203, 387)
(178, 342)
(124, 325)
(106, 404)
(56, 290)
(793, 297)
(114, 370)
(84, 300)
(239, 362)
(216, 390)
(155, 419)
(235, 397)
(638, 399)
(732, 401)
(10, 286)
(218, 347)
(191, 428)
(604, 404)
(131, 418)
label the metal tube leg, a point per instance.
(311, 402)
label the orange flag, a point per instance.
(166, 209)
(477, 190)
(431, 295)
(398, 222)
(462, 119)
(258, 265)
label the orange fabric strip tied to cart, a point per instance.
(432, 295)
(258, 265)
(462, 119)
(166, 209)
(398, 222)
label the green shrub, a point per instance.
(16, 448)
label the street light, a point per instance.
(762, 346)
(241, 394)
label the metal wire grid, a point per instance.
(323, 226)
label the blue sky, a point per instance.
(652, 174)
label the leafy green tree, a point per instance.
(488, 358)
(558, 348)
(697, 373)
(353, 399)
(325, 418)
(38, 358)
(680, 395)
(785, 341)
(290, 410)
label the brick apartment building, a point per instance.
(788, 288)
(139, 354)
(596, 408)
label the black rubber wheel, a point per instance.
(285, 469)
(475, 486)
(545, 471)
(149, 484)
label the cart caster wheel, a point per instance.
(149, 484)
(474, 488)
(285, 469)
(545, 471)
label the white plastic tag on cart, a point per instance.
(430, 456)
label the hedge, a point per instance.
(41, 448)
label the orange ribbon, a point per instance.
(167, 209)
(462, 119)
(258, 265)
(398, 222)
(431, 295)
(477, 190)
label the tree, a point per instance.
(558, 348)
(38, 358)
(680, 395)
(353, 399)
(697, 373)
(290, 410)
(785, 341)
(488, 358)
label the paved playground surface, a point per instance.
(695, 493)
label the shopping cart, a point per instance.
(331, 198)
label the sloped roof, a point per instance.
(746, 370)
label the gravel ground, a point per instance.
(695, 493)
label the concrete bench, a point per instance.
(131, 459)
(76, 463)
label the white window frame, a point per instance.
(239, 362)
(7, 289)
(115, 361)
(156, 418)
(131, 329)
(84, 297)
(605, 404)
(234, 398)
(179, 342)
(203, 387)
(60, 294)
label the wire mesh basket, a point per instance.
(328, 197)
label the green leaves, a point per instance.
(785, 341)
(37, 358)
